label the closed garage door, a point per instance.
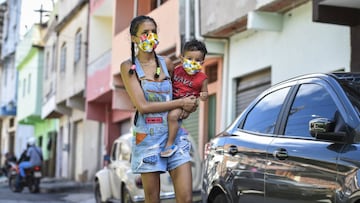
(250, 86)
(191, 124)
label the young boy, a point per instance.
(187, 80)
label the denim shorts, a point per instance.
(146, 149)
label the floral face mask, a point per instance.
(191, 67)
(148, 42)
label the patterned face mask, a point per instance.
(148, 42)
(191, 67)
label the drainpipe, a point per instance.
(226, 115)
(197, 20)
(187, 20)
(135, 8)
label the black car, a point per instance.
(298, 141)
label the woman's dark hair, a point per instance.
(134, 26)
(195, 45)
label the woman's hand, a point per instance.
(190, 104)
(184, 114)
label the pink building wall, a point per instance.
(169, 35)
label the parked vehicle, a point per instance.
(117, 183)
(298, 141)
(31, 180)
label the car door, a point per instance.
(114, 165)
(301, 168)
(244, 160)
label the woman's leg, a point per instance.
(182, 179)
(151, 184)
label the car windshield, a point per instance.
(351, 87)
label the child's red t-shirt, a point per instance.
(186, 85)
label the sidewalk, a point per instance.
(53, 185)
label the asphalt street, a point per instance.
(52, 191)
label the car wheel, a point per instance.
(98, 193)
(220, 198)
(126, 198)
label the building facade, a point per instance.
(10, 14)
(98, 82)
(78, 137)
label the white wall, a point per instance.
(100, 37)
(23, 132)
(301, 47)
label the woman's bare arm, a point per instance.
(137, 97)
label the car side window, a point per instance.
(120, 151)
(262, 118)
(311, 101)
(113, 152)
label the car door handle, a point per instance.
(233, 150)
(280, 154)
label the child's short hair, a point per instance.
(195, 45)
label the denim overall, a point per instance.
(151, 130)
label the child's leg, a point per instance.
(173, 124)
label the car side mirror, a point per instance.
(323, 129)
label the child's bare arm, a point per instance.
(204, 91)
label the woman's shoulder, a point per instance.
(126, 64)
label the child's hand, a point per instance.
(203, 96)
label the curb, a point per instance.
(65, 187)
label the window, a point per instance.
(29, 81)
(24, 87)
(53, 68)
(77, 47)
(352, 90)
(311, 101)
(40, 141)
(113, 152)
(262, 118)
(63, 58)
(212, 72)
(12, 122)
(47, 65)
(6, 73)
(156, 3)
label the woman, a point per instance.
(146, 77)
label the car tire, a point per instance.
(125, 198)
(220, 198)
(98, 193)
